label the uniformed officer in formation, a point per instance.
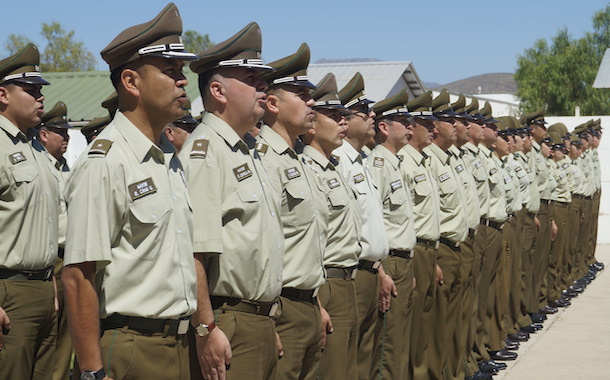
(29, 198)
(129, 254)
(411, 239)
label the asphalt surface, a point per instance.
(575, 342)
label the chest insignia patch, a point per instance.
(140, 189)
(292, 173)
(16, 157)
(242, 172)
(396, 185)
(378, 162)
(333, 183)
(420, 178)
(359, 178)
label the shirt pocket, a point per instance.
(422, 186)
(447, 184)
(149, 227)
(337, 199)
(248, 208)
(25, 178)
(297, 208)
(398, 196)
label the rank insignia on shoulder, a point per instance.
(261, 148)
(16, 157)
(200, 148)
(140, 189)
(378, 162)
(100, 146)
(292, 173)
(242, 172)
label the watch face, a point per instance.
(202, 330)
(87, 375)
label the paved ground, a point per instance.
(575, 342)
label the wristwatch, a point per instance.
(203, 329)
(93, 375)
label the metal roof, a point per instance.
(602, 80)
(381, 79)
(83, 92)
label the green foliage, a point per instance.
(62, 52)
(196, 42)
(559, 74)
(14, 43)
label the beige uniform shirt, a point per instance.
(586, 164)
(355, 173)
(424, 193)
(454, 225)
(472, 159)
(551, 184)
(128, 211)
(508, 167)
(597, 178)
(539, 171)
(468, 183)
(344, 223)
(561, 193)
(396, 197)
(497, 192)
(302, 207)
(29, 203)
(580, 183)
(236, 213)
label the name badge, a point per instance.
(16, 157)
(443, 177)
(493, 171)
(242, 172)
(359, 178)
(378, 162)
(420, 178)
(333, 183)
(292, 173)
(459, 169)
(478, 164)
(396, 185)
(143, 188)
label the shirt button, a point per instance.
(179, 230)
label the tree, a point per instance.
(559, 75)
(62, 52)
(195, 42)
(14, 43)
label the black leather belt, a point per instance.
(369, 266)
(495, 225)
(561, 204)
(531, 215)
(299, 294)
(402, 253)
(245, 306)
(60, 252)
(146, 325)
(342, 273)
(546, 201)
(33, 275)
(580, 196)
(472, 232)
(431, 244)
(451, 244)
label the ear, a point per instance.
(43, 134)
(169, 133)
(271, 103)
(131, 81)
(218, 91)
(383, 128)
(4, 95)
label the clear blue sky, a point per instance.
(446, 40)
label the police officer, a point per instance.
(129, 255)
(393, 130)
(236, 211)
(338, 294)
(29, 209)
(288, 115)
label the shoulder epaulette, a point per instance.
(200, 148)
(261, 148)
(100, 147)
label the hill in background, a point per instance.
(497, 83)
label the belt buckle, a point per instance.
(183, 326)
(354, 272)
(412, 253)
(315, 292)
(48, 272)
(436, 244)
(376, 264)
(457, 245)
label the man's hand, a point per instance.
(214, 354)
(5, 326)
(278, 345)
(327, 325)
(387, 290)
(439, 275)
(554, 230)
(537, 223)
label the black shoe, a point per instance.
(503, 355)
(582, 282)
(519, 336)
(481, 376)
(511, 345)
(569, 293)
(577, 288)
(490, 366)
(537, 317)
(548, 309)
(599, 265)
(560, 303)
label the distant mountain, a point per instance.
(498, 83)
(432, 85)
(347, 60)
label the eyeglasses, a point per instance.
(336, 114)
(361, 115)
